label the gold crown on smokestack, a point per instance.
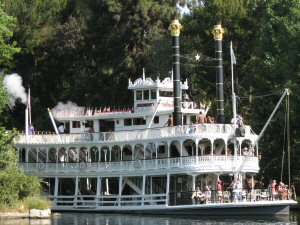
(175, 27)
(218, 32)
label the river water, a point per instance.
(122, 219)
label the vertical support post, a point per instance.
(120, 189)
(27, 154)
(98, 190)
(143, 189)
(175, 27)
(218, 32)
(76, 191)
(106, 180)
(56, 190)
(194, 183)
(168, 189)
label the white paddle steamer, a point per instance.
(128, 160)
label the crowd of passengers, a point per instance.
(235, 194)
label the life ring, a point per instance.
(82, 165)
(41, 165)
(137, 163)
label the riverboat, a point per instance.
(152, 157)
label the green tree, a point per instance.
(274, 65)
(14, 184)
(8, 48)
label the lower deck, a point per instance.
(163, 194)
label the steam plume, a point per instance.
(15, 89)
(69, 105)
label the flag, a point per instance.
(29, 105)
(233, 59)
(28, 99)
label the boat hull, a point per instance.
(240, 208)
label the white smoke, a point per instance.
(13, 84)
(69, 106)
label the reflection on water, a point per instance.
(122, 219)
(24, 222)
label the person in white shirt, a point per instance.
(61, 129)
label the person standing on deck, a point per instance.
(201, 118)
(61, 129)
(31, 129)
(170, 121)
(219, 188)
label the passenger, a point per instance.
(201, 118)
(229, 152)
(61, 129)
(285, 193)
(273, 190)
(195, 195)
(198, 196)
(207, 193)
(31, 129)
(170, 121)
(235, 191)
(192, 129)
(245, 151)
(280, 190)
(239, 121)
(219, 188)
(91, 130)
(201, 105)
(210, 119)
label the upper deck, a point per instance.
(200, 131)
(153, 103)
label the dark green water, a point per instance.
(121, 219)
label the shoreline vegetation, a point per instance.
(30, 207)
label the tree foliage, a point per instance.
(8, 48)
(14, 184)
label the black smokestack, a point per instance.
(175, 27)
(218, 36)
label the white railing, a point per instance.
(92, 201)
(123, 136)
(205, 163)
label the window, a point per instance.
(146, 94)
(153, 94)
(165, 94)
(127, 122)
(156, 119)
(138, 95)
(75, 124)
(139, 121)
(89, 123)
